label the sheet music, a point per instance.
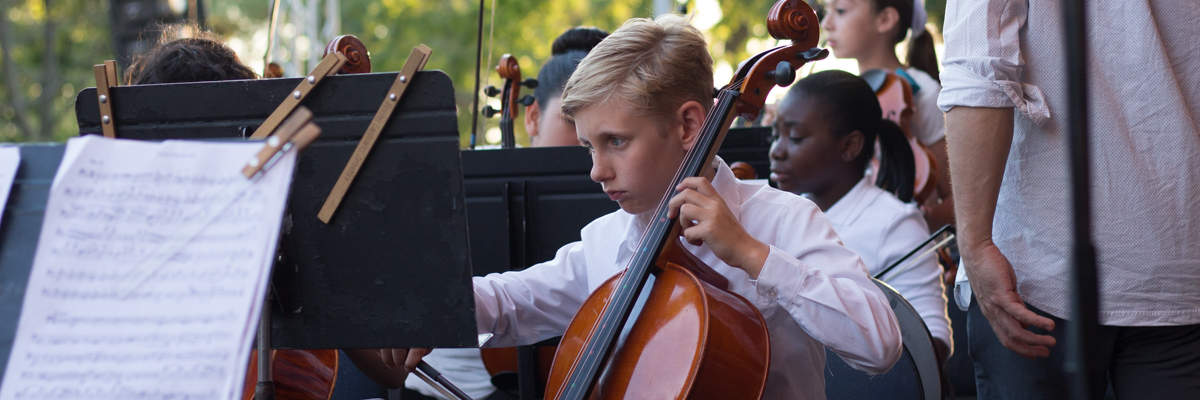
(10, 158)
(93, 327)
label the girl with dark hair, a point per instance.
(823, 135)
(185, 53)
(868, 31)
(543, 118)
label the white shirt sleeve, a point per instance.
(983, 64)
(836, 304)
(534, 304)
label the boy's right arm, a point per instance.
(517, 307)
(534, 304)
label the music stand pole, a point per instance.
(264, 389)
(1084, 310)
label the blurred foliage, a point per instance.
(524, 29)
(49, 49)
(49, 66)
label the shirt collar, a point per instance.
(851, 204)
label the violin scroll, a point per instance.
(358, 60)
(509, 68)
(510, 96)
(789, 19)
(793, 19)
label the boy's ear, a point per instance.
(532, 114)
(851, 146)
(689, 119)
(886, 20)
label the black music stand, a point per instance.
(393, 267)
(20, 225)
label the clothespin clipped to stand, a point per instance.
(416, 62)
(106, 77)
(296, 132)
(329, 65)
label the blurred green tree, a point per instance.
(47, 49)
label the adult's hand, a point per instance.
(995, 286)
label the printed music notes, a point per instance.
(149, 273)
(10, 158)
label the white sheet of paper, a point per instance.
(93, 327)
(10, 159)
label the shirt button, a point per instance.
(772, 294)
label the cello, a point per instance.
(510, 96)
(697, 339)
(309, 374)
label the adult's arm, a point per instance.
(978, 140)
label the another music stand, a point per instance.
(393, 267)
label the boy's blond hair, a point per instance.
(653, 65)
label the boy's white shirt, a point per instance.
(882, 229)
(812, 291)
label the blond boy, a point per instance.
(638, 102)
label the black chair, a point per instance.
(917, 375)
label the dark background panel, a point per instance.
(524, 204)
(20, 225)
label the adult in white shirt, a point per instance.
(776, 249)
(1004, 95)
(819, 151)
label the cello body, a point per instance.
(692, 340)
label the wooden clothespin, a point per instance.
(106, 77)
(296, 132)
(329, 65)
(416, 62)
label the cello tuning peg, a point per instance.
(489, 111)
(526, 100)
(530, 83)
(814, 54)
(491, 91)
(783, 74)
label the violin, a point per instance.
(309, 374)
(896, 98)
(693, 338)
(510, 96)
